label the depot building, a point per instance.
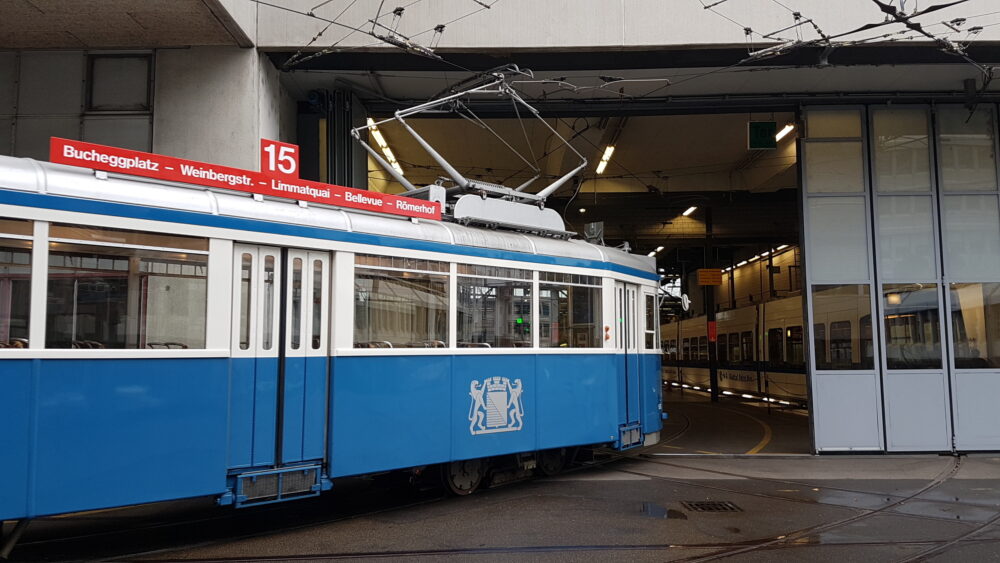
(822, 202)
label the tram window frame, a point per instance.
(746, 346)
(820, 346)
(735, 351)
(165, 287)
(400, 274)
(722, 349)
(685, 349)
(703, 348)
(246, 274)
(475, 284)
(776, 346)
(571, 298)
(794, 347)
(651, 329)
(16, 244)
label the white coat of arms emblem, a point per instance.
(496, 406)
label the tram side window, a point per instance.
(723, 349)
(794, 356)
(840, 345)
(570, 306)
(775, 347)
(651, 325)
(15, 282)
(124, 295)
(686, 349)
(734, 348)
(400, 303)
(746, 343)
(495, 311)
(703, 348)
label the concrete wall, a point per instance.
(530, 24)
(215, 103)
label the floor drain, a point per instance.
(711, 506)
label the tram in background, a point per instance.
(759, 350)
(161, 341)
(760, 347)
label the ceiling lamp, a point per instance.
(781, 134)
(380, 140)
(689, 211)
(605, 158)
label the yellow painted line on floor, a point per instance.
(763, 441)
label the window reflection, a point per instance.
(912, 326)
(108, 297)
(400, 309)
(966, 149)
(15, 292)
(842, 331)
(494, 313)
(570, 315)
(975, 315)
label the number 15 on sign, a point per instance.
(279, 159)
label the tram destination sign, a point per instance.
(284, 185)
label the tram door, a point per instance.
(627, 344)
(279, 370)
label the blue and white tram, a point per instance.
(161, 341)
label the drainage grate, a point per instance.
(711, 506)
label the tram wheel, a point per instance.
(552, 462)
(464, 477)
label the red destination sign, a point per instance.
(285, 185)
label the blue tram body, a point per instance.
(252, 384)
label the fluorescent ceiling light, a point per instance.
(651, 253)
(781, 134)
(605, 158)
(659, 248)
(689, 211)
(756, 256)
(384, 145)
(661, 270)
(583, 210)
(782, 247)
(743, 263)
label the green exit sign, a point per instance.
(760, 135)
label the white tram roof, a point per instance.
(24, 174)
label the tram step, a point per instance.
(276, 485)
(629, 436)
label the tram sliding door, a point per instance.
(279, 374)
(303, 383)
(627, 344)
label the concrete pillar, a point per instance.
(215, 103)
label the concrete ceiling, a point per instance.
(107, 24)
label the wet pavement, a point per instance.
(656, 504)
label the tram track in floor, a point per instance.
(725, 549)
(786, 540)
(540, 549)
